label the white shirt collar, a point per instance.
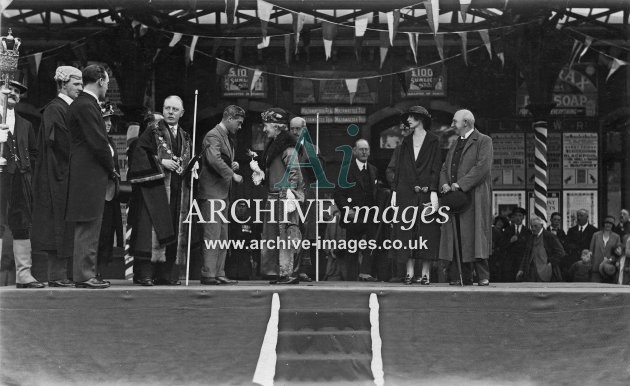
(468, 134)
(65, 98)
(91, 93)
(360, 164)
(11, 120)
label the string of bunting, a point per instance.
(581, 47)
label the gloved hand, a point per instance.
(393, 200)
(292, 203)
(257, 175)
(435, 204)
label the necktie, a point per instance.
(364, 167)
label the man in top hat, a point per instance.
(159, 158)
(15, 181)
(51, 233)
(218, 172)
(516, 235)
(91, 171)
(467, 168)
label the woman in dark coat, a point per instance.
(112, 217)
(414, 171)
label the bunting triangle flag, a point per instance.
(485, 37)
(463, 8)
(439, 43)
(587, 44)
(230, 10)
(222, 67)
(413, 43)
(255, 76)
(298, 24)
(464, 36)
(329, 32)
(143, 30)
(384, 46)
(175, 39)
(614, 66)
(393, 19)
(193, 46)
(352, 88)
(360, 25)
(264, 43)
(264, 13)
(134, 23)
(328, 48)
(433, 14)
(38, 61)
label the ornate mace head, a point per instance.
(9, 55)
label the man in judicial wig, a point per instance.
(467, 169)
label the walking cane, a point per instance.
(459, 248)
(192, 179)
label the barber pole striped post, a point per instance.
(540, 176)
(128, 257)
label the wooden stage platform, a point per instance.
(317, 333)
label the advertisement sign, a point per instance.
(236, 84)
(503, 202)
(579, 160)
(508, 167)
(575, 92)
(575, 200)
(332, 88)
(121, 148)
(427, 81)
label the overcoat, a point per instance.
(474, 178)
(91, 161)
(50, 230)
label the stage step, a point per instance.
(324, 345)
(323, 368)
(324, 320)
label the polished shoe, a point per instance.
(61, 283)
(425, 280)
(416, 279)
(288, 280)
(305, 277)
(93, 283)
(209, 281)
(147, 282)
(483, 282)
(100, 278)
(457, 282)
(33, 284)
(408, 280)
(166, 282)
(367, 277)
(225, 280)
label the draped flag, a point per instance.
(264, 13)
(413, 43)
(298, 24)
(393, 19)
(464, 36)
(464, 4)
(175, 39)
(433, 14)
(485, 37)
(329, 32)
(193, 46)
(575, 52)
(614, 66)
(384, 46)
(439, 43)
(352, 88)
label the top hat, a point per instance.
(19, 86)
(456, 200)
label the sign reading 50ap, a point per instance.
(238, 80)
(427, 81)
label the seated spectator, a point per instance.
(541, 259)
(580, 271)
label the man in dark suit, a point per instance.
(556, 227)
(51, 233)
(218, 171)
(578, 238)
(543, 252)
(91, 171)
(15, 182)
(517, 236)
(362, 177)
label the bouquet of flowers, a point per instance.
(257, 174)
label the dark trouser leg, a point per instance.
(86, 235)
(482, 268)
(466, 272)
(57, 266)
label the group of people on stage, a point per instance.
(582, 254)
(60, 191)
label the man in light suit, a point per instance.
(467, 168)
(91, 172)
(218, 171)
(363, 176)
